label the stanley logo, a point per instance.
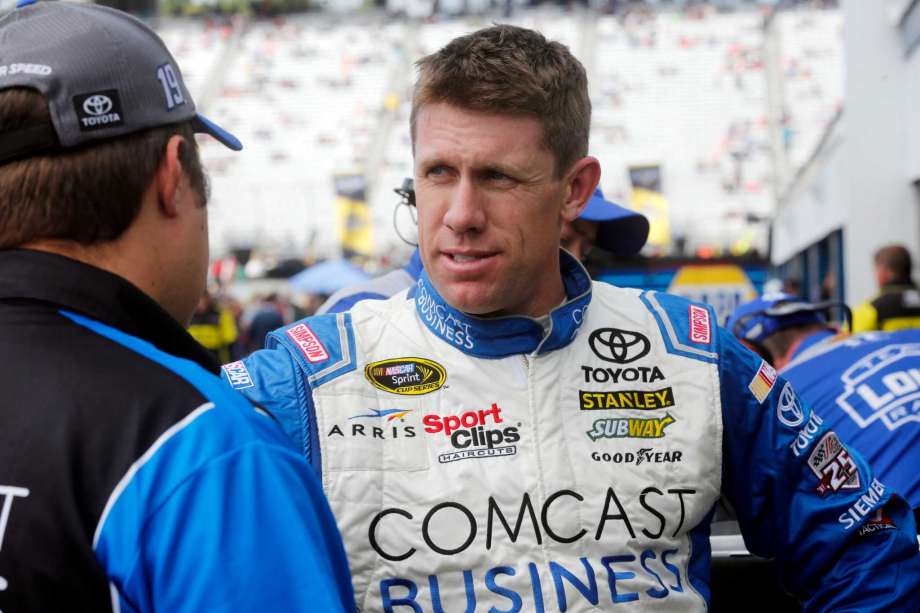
(626, 399)
(406, 376)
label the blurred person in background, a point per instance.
(517, 437)
(865, 387)
(130, 479)
(602, 224)
(897, 305)
(215, 328)
(266, 315)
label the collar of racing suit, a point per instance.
(69, 285)
(498, 337)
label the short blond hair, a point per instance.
(509, 70)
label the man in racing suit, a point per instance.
(602, 223)
(510, 436)
(864, 387)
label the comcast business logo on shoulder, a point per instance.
(618, 346)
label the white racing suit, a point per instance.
(510, 464)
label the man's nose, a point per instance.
(466, 210)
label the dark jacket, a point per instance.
(129, 473)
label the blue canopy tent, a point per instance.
(327, 277)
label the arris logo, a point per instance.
(618, 346)
(97, 105)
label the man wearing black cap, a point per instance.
(130, 479)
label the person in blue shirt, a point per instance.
(864, 387)
(131, 478)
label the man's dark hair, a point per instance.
(89, 194)
(895, 259)
(512, 71)
(779, 343)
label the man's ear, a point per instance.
(581, 181)
(169, 176)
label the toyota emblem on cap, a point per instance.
(97, 105)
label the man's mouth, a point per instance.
(465, 258)
(469, 262)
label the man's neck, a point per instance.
(111, 256)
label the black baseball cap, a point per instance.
(105, 74)
(620, 231)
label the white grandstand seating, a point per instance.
(306, 95)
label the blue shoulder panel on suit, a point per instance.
(688, 328)
(323, 346)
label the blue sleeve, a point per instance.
(842, 539)
(271, 379)
(222, 514)
(299, 358)
(251, 531)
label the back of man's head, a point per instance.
(776, 323)
(895, 261)
(509, 70)
(89, 98)
(88, 194)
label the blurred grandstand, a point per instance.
(701, 113)
(677, 91)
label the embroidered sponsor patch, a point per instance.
(832, 464)
(879, 522)
(630, 427)
(619, 346)
(406, 376)
(788, 410)
(762, 382)
(643, 400)
(99, 110)
(699, 325)
(309, 344)
(238, 375)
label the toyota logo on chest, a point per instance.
(618, 346)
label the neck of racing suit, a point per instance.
(498, 337)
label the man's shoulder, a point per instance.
(380, 288)
(687, 328)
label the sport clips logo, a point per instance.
(472, 434)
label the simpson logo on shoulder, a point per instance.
(308, 343)
(406, 376)
(699, 325)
